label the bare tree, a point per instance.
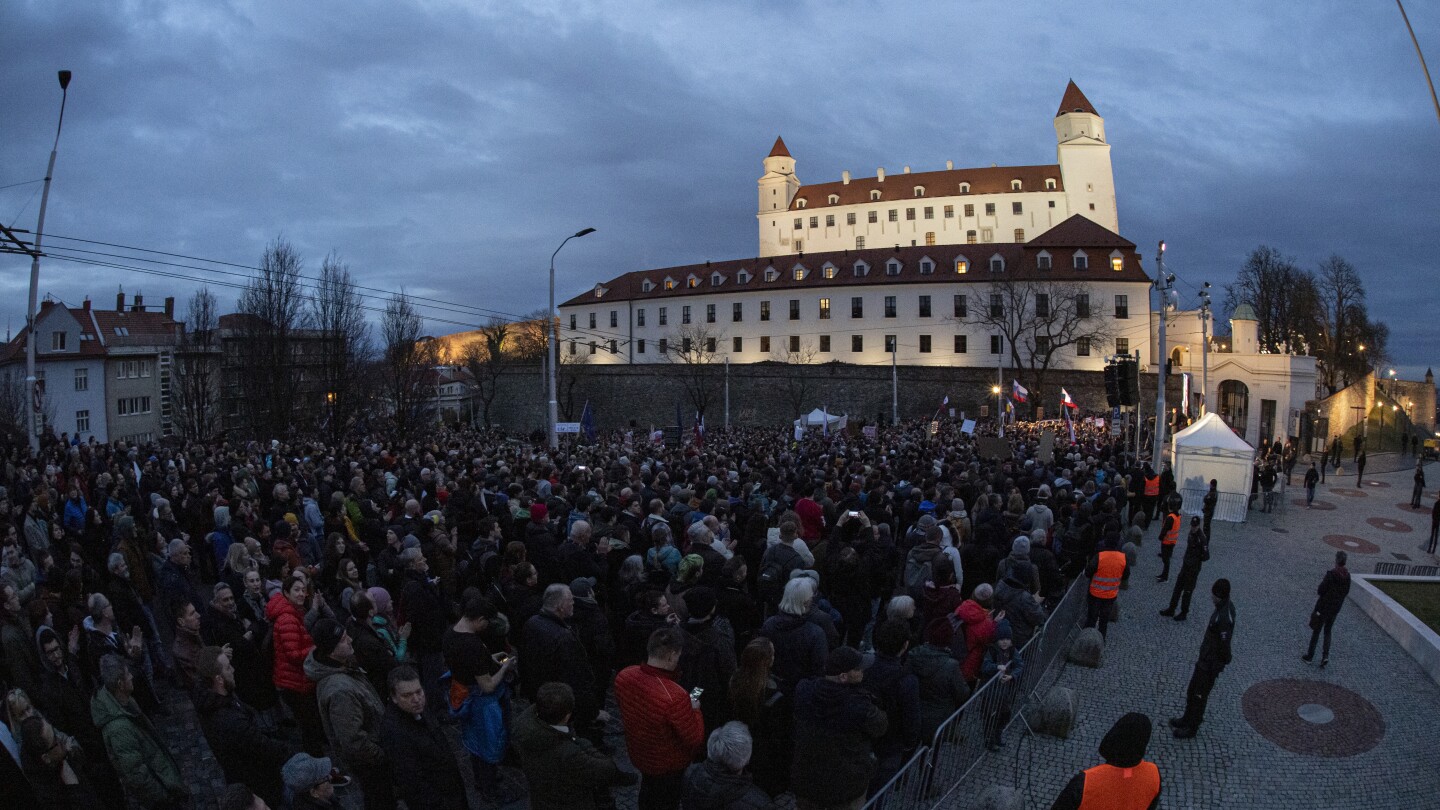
(344, 346)
(1284, 298)
(797, 383)
(694, 349)
(1344, 325)
(272, 306)
(197, 363)
(14, 405)
(532, 345)
(488, 359)
(409, 363)
(1039, 319)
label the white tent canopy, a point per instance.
(1207, 450)
(818, 418)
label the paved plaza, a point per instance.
(1361, 733)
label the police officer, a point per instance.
(1214, 656)
(1197, 551)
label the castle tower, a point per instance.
(777, 188)
(1084, 158)
(1244, 331)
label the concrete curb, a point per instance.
(1422, 643)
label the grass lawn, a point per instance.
(1420, 598)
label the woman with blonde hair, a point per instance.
(756, 700)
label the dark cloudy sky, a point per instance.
(449, 145)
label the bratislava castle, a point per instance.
(960, 267)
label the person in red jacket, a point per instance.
(664, 730)
(286, 612)
(979, 627)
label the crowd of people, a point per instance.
(766, 614)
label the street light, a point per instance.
(35, 275)
(554, 329)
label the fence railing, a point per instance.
(962, 740)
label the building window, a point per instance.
(1014, 185)
(737, 344)
(989, 209)
(57, 341)
(82, 421)
(664, 345)
(997, 344)
(997, 305)
(969, 209)
(926, 266)
(964, 188)
(639, 346)
(794, 344)
(861, 269)
(572, 321)
(1042, 305)
(669, 283)
(1019, 234)
(685, 344)
(872, 217)
(614, 346)
(798, 273)
(924, 306)
(1042, 261)
(961, 309)
(799, 223)
(1081, 261)
(692, 282)
(949, 212)
(737, 312)
(909, 214)
(764, 344)
(961, 344)
(825, 344)
(824, 309)
(592, 347)
(892, 267)
(572, 348)
(801, 202)
(1042, 345)
(850, 218)
(1082, 347)
(890, 344)
(962, 266)
(794, 309)
(929, 212)
(857, 343)
(1122, 345)
(663, 319)
(929, 237)
(710, 345)
(1049, 184)
(987, 234)
(924, 344)
(889, 306)
(1017, 208)
(1082, 305)
(1122, 306)
(764, 310)
(859, 243)
(742, 277)
(828, 271)
(614, 319)
(829, 220)
(893, 215)
(685, 314)
(997, 264)
(82, 379)
(592, 320)
(645, 286)
(814, 222)
(1117, 264)
(709, 313)
(857, 307)
(716, 279)
(132, 406)
(874, 195)
(639, 317)
(1051, 203)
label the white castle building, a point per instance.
(962, 267)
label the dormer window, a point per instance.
(861, 269)
(669, 283)
(1117, 261)
(1049, 184)
(798, 272)
(742, 277)
(919, 191)
(599, 291)
(964, 188)
(828, 271)
(692, 282)
(833, 199)
(1080, 261)
(800, 202)
(997, 264)
(926, 267)
(646, 286)
(962, 266)
(716, 279)
(771, 274)
(57, 341)
(892, 267)
(875, 195)
(1042, 261)
(1015, 185)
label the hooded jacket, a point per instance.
(709, 786)
(942, 687)
(292, 643)
(800, 648)
(563, 771)
(1123, 749)
(351, 711)
(836, 726)
(979, 632)
(146, 768)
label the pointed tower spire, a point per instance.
(1075, 101)
(779, 150)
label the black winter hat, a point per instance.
(327, 634)
(1125, 743)
(1221, 588)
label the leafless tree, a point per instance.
(488, 359)
(694, 350)
(1284, 298)
(344, 345)
(1345, 325)
(273, 306)
(531, 340)
(409, 363)
(1038, 320)
(197, 368)
(798, 383)
(14, 405)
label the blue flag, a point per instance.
(587, 421)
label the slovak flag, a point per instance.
(699, 430)
(1018, 392)
(1066, 400)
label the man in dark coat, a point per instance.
(550, 650)
(222, 625)
(245, 753)
(421, 759)
(593, 630)
(836, 726)
(564, 772)
(1197, 551)
(709, 657)
(1214, 656)
(1332, 592)
(897, 692)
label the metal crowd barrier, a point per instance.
(1232, 507)
(961, 741)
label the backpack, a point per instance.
(775, 567)
(959, 644)
(920, 569)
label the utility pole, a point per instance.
(894, 383)
(32, 338)
(1164, 283)
(727, 392)
(1205, 349)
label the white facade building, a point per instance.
(949, 207)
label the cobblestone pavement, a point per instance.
(1230, 763)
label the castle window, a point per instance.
(764, 310)
(1117, 261)
(794, 344)
(861, 269)
(814, 222)
(924, 344)
(800, 203)
(829, 220)
(743, 277)
(1051, 203)
(1019, 234)
(919, 191)
(889, 306)
(970, 238)
(692, 282)
(925, 306)
(764, 344)
(669, 283)
(592, 320)
(828, 271)
(799, 245)
(737, 312)
(640, 346)
(664, 316)
(929, 212)
(716, 279)
(964, 188)
(949, 212)
(600, 291)
(989, 209)
(646, 286)
(1080, 261)
(909, 214)
(926, 266)
(1049, 184)
(824, 309)
(771, 274)
(1014, 185)
(825, 344)
(997, 264)
(859, 243)
(1017, 208)
(798, 272)
(737, 345)
(685, 314)
(639, 317)
(572, 321)
(874, 195)
(850, 218)
(893, 215)
(892, 267)
(872, 217)
(709, 313)
(614, 319)
(987, 235)
(970, 209)
(929, 237)
(799, 223)
(857, 343)
(834, 199)
(962, 265)
(1042, 261)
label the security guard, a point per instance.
(1169, 536)
(1127, 781)
(1106, 569)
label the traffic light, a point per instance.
(1112, 386)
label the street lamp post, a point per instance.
(30, 339)
(1164, 284)
(553, 328)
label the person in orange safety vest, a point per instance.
(1106, 569)
(1169, 536)
(1127, 781)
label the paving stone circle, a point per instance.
(1323, 506)
(1313, 718)
(1414, 510)
(1350, 544)
(1380, 484)
(1390, 525)
(1348, 493)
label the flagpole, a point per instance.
(727, 392)
(894, 384)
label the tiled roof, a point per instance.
(779, 150)
(945, 183)
(1074, 101)
(1020, 264)
(102, 328)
